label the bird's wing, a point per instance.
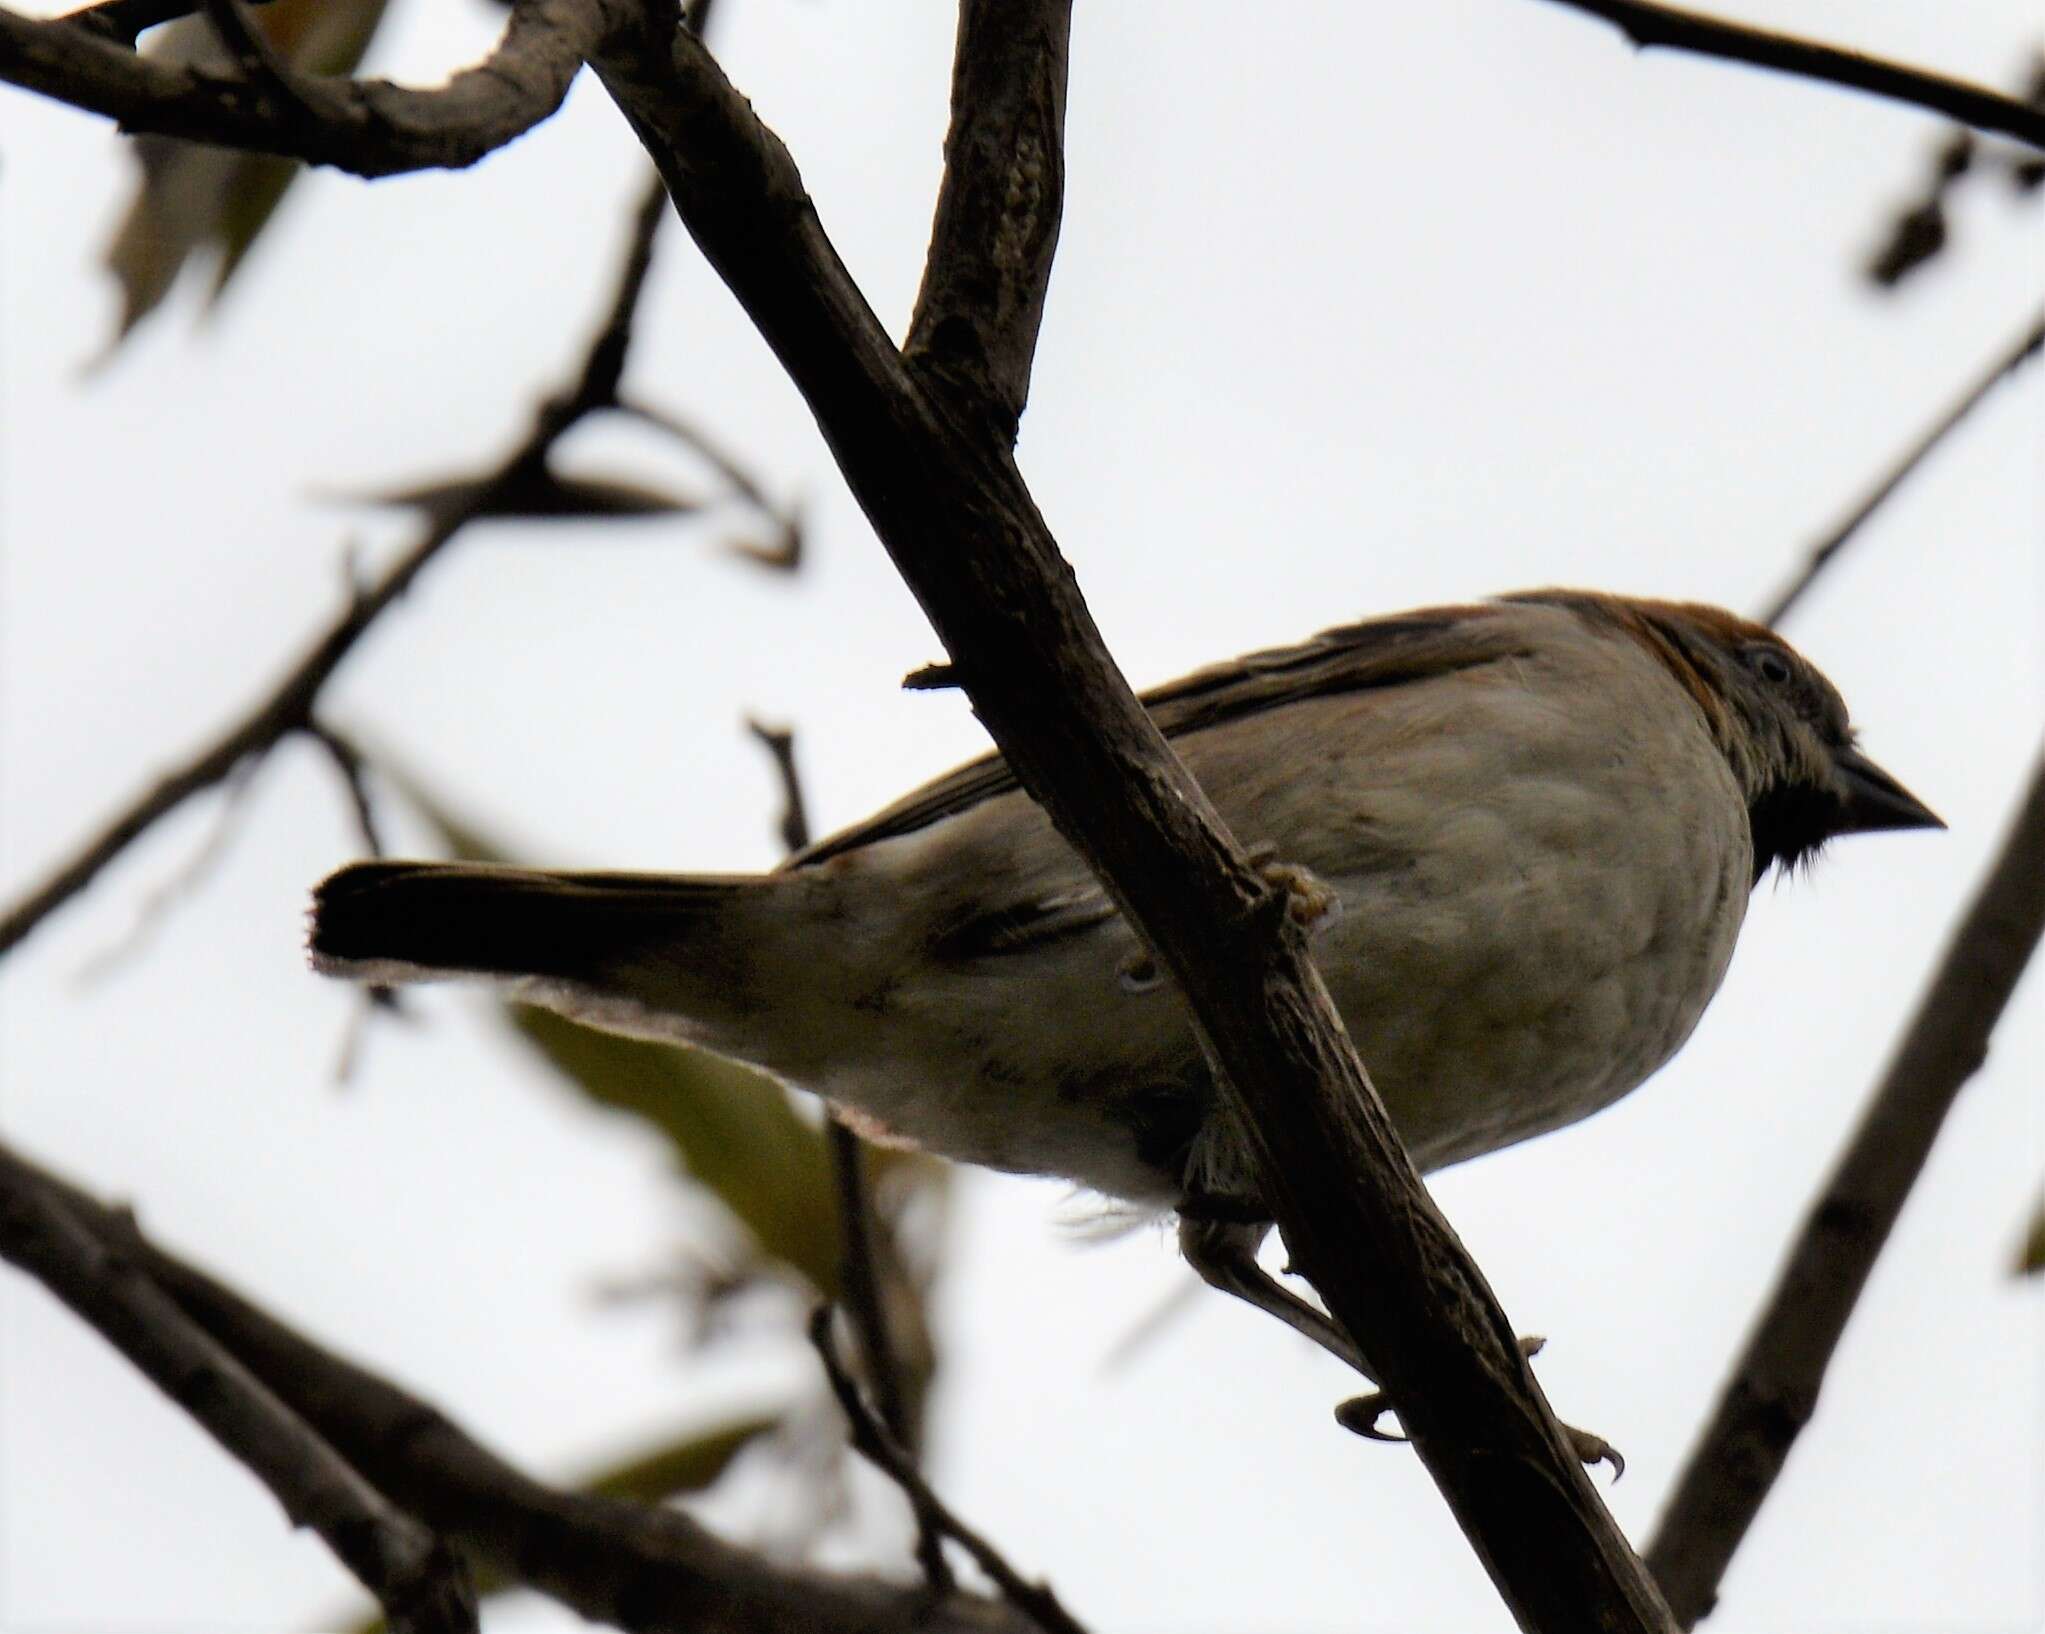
(1387, 652)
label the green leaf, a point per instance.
(732, 1126)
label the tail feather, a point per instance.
(408, 920)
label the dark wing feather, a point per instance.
(1385, 652)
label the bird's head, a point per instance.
(1781, 725)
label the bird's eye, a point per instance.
(1770, 665)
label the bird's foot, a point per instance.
(1360, 1415)
(1310, 902)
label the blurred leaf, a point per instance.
(542, 493)
(732, 1126)
(673, 1471)
(2031, 1255)
(194, 197)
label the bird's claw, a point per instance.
(1309, 901)
(1360, 1414)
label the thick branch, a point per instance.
(951, 509)
(1774, 1386)
(646, 1569)
(982, 301)
(2027, 346)
(1652, 25)
(288, 707)
(421, 1587)
(369, 127)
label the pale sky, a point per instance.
(1356, 309)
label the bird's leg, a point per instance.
(1224, 1252)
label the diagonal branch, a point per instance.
(422, 1588)
(369, 127)
(289, 705)
(2027, 347)
(956, 517)
(1774, 1386)
(643, 1568)
(982, 301)
(1648, 25)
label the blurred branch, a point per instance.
(123, 20)
(349, 761)
(1774, 1386)
(288, 707)
(1648, 25)
(422, 1588)
(368, 127)
(642, 1568)
(870, 1436)
(989, 264)
(950, 507)
(858, 1258)
(2026, 347)
(785, 553)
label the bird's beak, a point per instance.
(1874, 800)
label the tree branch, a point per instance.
(288, 707)
(2026, 347)
(982, 302)
(643, 1568)
(421, 1587)
(961, 526)
(1649, 25)
(368, 127)
(1774, 1386)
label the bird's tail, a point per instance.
(678, 948)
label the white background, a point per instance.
(1356, 308)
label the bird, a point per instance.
(1525, 832)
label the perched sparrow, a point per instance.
(1540, 820)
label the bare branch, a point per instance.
(352, 765)
(288, 707)
(1649, 25)
(643, 1568)
(954, 514)
(1774, 1386)
(2026, 347)
(870, 1436)
(422, 1588)
(982, 301)
(368, 127)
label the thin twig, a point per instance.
(779, 742)
(158, 900)
(1649, 25)
(1774, 1385)
(289, 706)
(2027, 346)
(870, 1436)
(858, 1256)
(422, 1587)
(785, 553)
(349, 760)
